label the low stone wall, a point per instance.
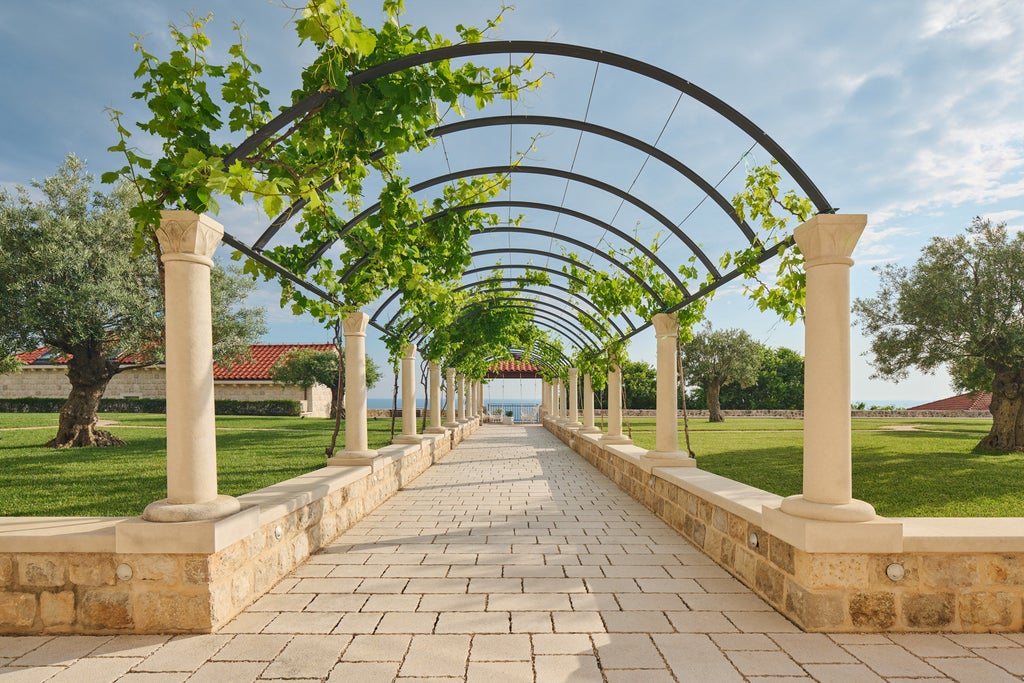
(799, 414)
(953, 575)
(126, 575)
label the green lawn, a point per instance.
(932, 471)
(252, 452)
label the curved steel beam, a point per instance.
(530, 120)
(348, 274)
(534, 170)
(501, 204)
(320, 98)
(541, 292)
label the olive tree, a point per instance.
(961, 305)
(715, 358)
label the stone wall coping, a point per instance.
(962, 534)
(58, 534)
(277, 500)
(740, 499)
(626, 451)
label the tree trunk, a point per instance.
(1007, 410)
(682, 396)
(89, 371)
(394, 406)
(338, 393)
(713, 391)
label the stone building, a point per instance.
(45, 376)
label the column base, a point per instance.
(361, 458)
(652, 459)
(451, 425)
(615, 439)
(166, 511)
(590, 430)
(854, 511)
(408, 438)
(435, 430)
(575, 424)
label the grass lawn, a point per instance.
(252, 452)
(929, 471)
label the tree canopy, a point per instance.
(71, 281)
(306, 367)
(779, 385)
(961, 306)
(715, 358)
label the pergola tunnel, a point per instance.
(522, 248)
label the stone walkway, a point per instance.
(512, 560)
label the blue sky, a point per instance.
(909, 112)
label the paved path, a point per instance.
(512, 560)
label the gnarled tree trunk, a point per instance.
(713, 392)
(1007, 433)
(89, 371)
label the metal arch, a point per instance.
(530, 266)
(348, 274)
(567, 327)
(320, 98)
(551, 324)
(535, 290)
(554, 121)
(534, 170)
(541, 206)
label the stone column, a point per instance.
(357, 451)
(450, 393)
(588, 408)
(434, 381)
(462, 399)
(188, 241)
(574, 399)
(409, 434)
(615, 434)
(827, 240)
(480, 400)
(666, 440)
(543, 398)
(559, 402)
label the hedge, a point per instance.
(281, 408)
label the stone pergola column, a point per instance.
(543, 397)
(188, 241)
(408, 434)
(462, 399)
(357, 450)
(573, 418)
(480, 400)
(450, 393)
(615, 434)
(559, 402)
(434, 385)
(588, 407)
(827, 240)
(666, 441)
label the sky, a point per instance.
(907, 111)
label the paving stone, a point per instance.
(445, 602)
(437, 655)
(303, 622)
(60, 651)
(971, 670)
(30, 675)
(842, 673)
(636, 622)
(506, 672)
(358, 623)
(152, 677)
(253, 648)
(662, 602)
(308, 657)
(578, 622)
(531, 622)
(129, 646)
(700, 622)
(248, 622)
(16, 646)
(95, 670)
(567, 669)
(473, 622)
(500, 648)
(812, 648)
(696, 657)
(391, 603)
(627, 651)
(523, 602)
(404, 622)
(236, 672)
(744, 641)
(374, 648)
(364, 672)
(634, 676)
(754, 663)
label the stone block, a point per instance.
(156, 568)
(196, 570)
(738, 528)
(770, 583)
(929, 610)
(911, 568)
(745, 564)
(17, 609)
(762, 547)
(57, 609)
(993, 569)
(832, 570)
(242, 584)
(815, 611)
(989, 611)
(106, 609)
(720, 519)
(6, 571)
(873, 611)
(780, 553)
(167, 612)
(92, 570)
(42, 570)
(949, 571)
(698, 533)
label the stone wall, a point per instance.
(799, 414)
(125, 575)
(151, 382)
(958, 575)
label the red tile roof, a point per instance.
(976, 400)
(263, 356)
(512, 368)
